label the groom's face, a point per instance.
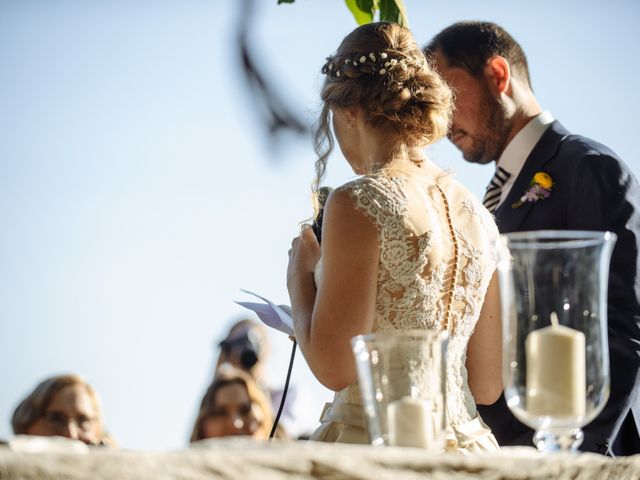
(479, 127)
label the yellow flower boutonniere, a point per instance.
(541, 186)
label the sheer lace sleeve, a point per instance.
(378, 197)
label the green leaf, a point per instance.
(394, 11)
(368, 5)
(362, 10)
(285, 1)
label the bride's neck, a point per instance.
(379, 150)
(400, 158)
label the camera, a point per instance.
(247, 346)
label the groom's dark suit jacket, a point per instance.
(593, 190)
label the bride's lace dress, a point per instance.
(415, 280)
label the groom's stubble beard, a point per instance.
(491, 137)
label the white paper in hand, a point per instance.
(276, 316)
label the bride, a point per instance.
(404, 246)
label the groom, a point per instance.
(497, 118)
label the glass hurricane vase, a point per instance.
(402, 378)
(553, 288)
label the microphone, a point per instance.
(322, 196)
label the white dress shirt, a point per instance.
(519, 148)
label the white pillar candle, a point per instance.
(411, 423)
(556, 371)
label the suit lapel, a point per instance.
(508, 218)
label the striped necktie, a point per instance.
(491, 198)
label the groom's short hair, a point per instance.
(470, 45)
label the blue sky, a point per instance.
(138, 193)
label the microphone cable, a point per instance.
(284, 391)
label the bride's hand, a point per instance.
(303, 255)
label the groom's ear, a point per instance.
(498, 75)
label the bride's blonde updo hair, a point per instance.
(380, 68)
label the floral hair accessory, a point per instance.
(371, 63)
(541, 186)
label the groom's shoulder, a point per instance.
(580, 146)
(588, 160)
(576, 145)
(579, 151)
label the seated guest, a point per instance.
(247, 348)
(233, 405)
(64, 406)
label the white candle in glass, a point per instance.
(556, 371)
(411, 423)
